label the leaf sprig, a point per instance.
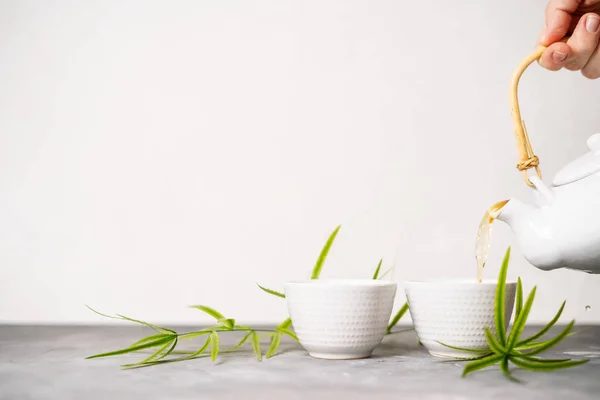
(316, 273)
(165, 340)
(510, 348)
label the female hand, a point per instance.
(581, 20)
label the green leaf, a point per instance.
(287, 332)
(157, 328)
(271, 291)
(397, 317)
(275, 341)
(191, 356)
(535, 345)
(542, 360)
(256, 346)
(316, 272)
(214, 345)
(242, 328)
(154, 343)
(376, 274)
(210, 311)
(159, 362)
(552, 342)
(500, 301)
(162, 352)
(150, 338)
(228, 323)
(202, 332)
(545, 366)
(285, 324)
(481, 353)
(481, 364)
(519, 324)
(545, 329)
(519, 304)
(240, 344)
(201, 349)
(494, 345)
(506, 371)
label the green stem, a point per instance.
(207, 332)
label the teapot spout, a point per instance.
(514, 211)
(533, 234)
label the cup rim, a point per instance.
(457, 282)
(341, 283)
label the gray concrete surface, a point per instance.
(45, 362)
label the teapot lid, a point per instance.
(583, 166)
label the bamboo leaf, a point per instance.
(154, 343)
(240, 344)
(203, 332)
(397, 317)
(519, 304)
(506, 371)
(535, 345)
(519, 324)
(256, 346)
(201, 349)
(275, 341)
(271, 291)
(316, 272)
(191, 356)
(542, 360)
(481, 364)
(242, 327)
(545, 366)
(481, 353)
(150, 338)
(227, 323)
(162, 352)
(500, 300)
(157, 328)
(285, 324)
(159, 362)
(545, 329)
(210, 311)
(214, 345)
(494, 345)
(376, 274)
(552, 342)
(288, 332)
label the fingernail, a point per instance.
(558, 56)
(592, 24)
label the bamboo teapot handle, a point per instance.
(528, 159)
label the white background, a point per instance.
(158, 154)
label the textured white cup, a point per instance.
(340, 319)
(455, 312)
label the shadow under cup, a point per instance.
(340, 319)
(455, 312)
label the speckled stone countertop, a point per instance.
(47, 362)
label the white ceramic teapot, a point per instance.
(563, 229)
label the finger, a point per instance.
(555, 56)
(558, 19)
(591, 70)
(583, 42)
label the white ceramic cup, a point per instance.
(455, 312)
(340, 319)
